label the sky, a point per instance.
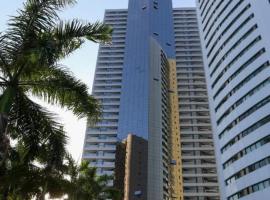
(82, 62)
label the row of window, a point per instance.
(115, 17)
(243, 82)
(106, 69)
(231, 36)
(244, 98)
(103, 129)
(190, 121)
(187, 28)
(116, 12)
(187, 46)
(109, 48)
(191, 68)
(204, 170)
(116, 22)
(227, 28)
(207, 12)
(239, 55)
(251, 189)
(244, 115)
(204, 7)
(233, 47)
(190, 86)
(251, 168)
(165, 125)
(109, 75)
(247, 150)
(201, 2)
(224, 19)
(180, 32)
(238, 71)
(246, 132)
(217, 16)
(184, 23)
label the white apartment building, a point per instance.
(236, 49)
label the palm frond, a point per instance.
(56, 85)
(96, 32)
(34, 19)
(100, 33)
(36, 130)
(5, 60)
(72, 168)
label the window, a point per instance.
(246, 132)
(224, 19)
(233, 47)
(232, 35)
(249, 94)
(249, 169)
(244, 115)
(155, 4)
(239, 55)
(249, 190)
(247, 150)
(227, 28)
(218, 15)
(240, 69)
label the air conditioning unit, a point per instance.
(138, 193)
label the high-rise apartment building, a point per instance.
(236, 45)
(197, 149)
(150, 82)
(101, 139)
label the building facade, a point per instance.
(197, 148)
(100, 140)
(150, 82)
(236, 45)
(131, 167)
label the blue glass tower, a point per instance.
(146, 19)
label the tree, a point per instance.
(30, 51)
(86, 184)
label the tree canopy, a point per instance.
(33, 151)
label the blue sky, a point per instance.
(82, 62)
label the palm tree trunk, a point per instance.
(4, 146)
(4, 141)
(5, 107)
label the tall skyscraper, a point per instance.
(236, 46)
(101, 139)
(151, 84)
(197, 149)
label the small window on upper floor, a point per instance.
(155, 4)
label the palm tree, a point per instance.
(30, 51)
(86, 184)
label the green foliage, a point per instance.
(30, 50)
(90, 186)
